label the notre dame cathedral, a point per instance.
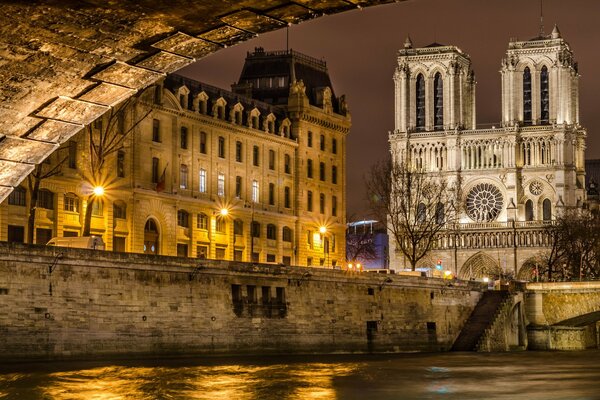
(515, 177)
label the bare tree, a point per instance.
(34, 180)
(417, 206)
(103, 141)
(360, 245)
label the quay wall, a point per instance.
(70, 303)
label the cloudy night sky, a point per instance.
(360, 49)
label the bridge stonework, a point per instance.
(563, 315)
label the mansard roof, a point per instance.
(174, 82)
(289, 65)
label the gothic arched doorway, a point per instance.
(479, 266)
(151, 237)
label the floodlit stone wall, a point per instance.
(70, 303)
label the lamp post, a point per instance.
(323, 231)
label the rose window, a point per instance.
(536, 188)
(484, 202)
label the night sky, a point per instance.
(360, 49)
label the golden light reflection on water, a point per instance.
(239, 382)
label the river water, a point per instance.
(523, 375)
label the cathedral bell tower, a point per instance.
(434, 89)
(540, 82)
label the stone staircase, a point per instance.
(481, 318)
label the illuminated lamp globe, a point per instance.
(323, 229)
(224, 212)
(98, 191)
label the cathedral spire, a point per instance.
(555, 32)
(408, 43)
(541, 18)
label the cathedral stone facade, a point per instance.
(516, 177)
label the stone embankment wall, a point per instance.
(69, 303)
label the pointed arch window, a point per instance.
(529, 210)
(527, 96)
(438, 102)
(544, 96)
(546, 210)
(420, 102)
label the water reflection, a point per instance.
(525, 375)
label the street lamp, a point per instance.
(98, 190)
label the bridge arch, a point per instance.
(480, 265)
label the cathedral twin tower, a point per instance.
(527, 168)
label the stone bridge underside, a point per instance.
(64, 63)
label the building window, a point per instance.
(309, 139)
(43, 236)
(322, 203)
(237, 116)
(221, 185)
(334, 206)
(254, 122)
(529, 210)
(271, 160)
(121, 164)
(202, 252)
(309, 237)
(183, 176)
(238, 151)
(18, 197)
(154, 170)
(72, 154)
(287, 196)
(527, 96)
(202, 181)
(271, 232)
(156, 130)
(546, 210)
(271, 194)
(182, 250)
(255, 156)
(544, 96)
(71, 203)
(183, 138)
(334, 146)
(333, 174)
(287, 164)
(255, 191)
(438, 102)
(309, 168)
(420, 102)
(309, 201)
(238, 227)
(322, 171)
(202, 221)
(255, 229)
(221, 149)
(220, 224)
(119, 210)
(97, 208)
(16, 234)
(183, 219)
(203, 142)
(322, 143)
(271, 126)
(238, 187)
(220, 253)
(45, 199)
(286, 234)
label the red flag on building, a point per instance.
(160, 185)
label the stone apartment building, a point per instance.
(253, 174)
(516, 175)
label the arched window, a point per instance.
(439, 213)
(421, 213)
(529, 210)
(46, 199)
(183, 219)
(287, 234)
(438, 102)
(255, 229)
(527, 96)
(220, 224)
(544, 96)
(420, 102)
(202, 221)
(18, 197)
(271, 232)
(71, 203)
(119, 209)
(546, 210)
(183, 176)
